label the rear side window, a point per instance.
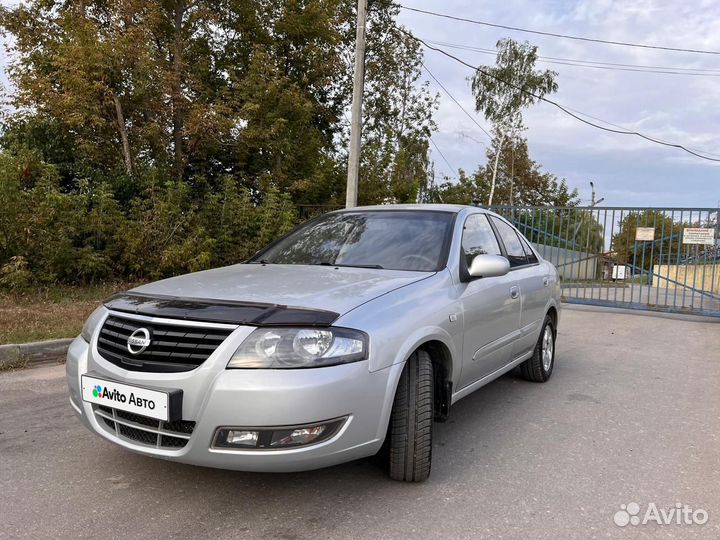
(478, 238)
(511, 241)
(529, 253)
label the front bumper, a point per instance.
(214, 396)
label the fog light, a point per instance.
(241, 438)
(296, 436)
(268, 438)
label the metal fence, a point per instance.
(665, 259)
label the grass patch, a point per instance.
(52, 313)
(18, 362)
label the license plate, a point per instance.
(130, 398)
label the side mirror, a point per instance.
(489, 266)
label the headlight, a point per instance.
(288, 348)
(91, 324)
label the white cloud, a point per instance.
(627, 170)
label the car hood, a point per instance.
(337, 289)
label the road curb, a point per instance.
(36, 352)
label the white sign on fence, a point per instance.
(644, 234)
(695, 235)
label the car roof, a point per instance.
(454, 208)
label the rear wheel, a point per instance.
(411, 421)
(539, 367)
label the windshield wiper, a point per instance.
(261, 261)
(376, 266)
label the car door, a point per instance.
(534, 286)
(491, 307)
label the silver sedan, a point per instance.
(347, 337)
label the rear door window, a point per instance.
(529, 253)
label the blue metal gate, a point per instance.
(663, 259)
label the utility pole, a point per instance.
(593, 202)
(351, 196)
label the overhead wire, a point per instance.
(470, 116)
(452, 169)
(558, 35)
(700, 72)
(494, 51)
(621, 130)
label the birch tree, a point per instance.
(502, 92)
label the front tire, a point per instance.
(411, 421)
(539, 367)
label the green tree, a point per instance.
(150, 137)
(397, 113)
(67, 67)
(502, 91)
(519, 180)
(59, 236)
(192, 88)
(195, 89)
(642, 254)
(461, 191)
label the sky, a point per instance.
(626, 170)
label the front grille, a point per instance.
(145, 431)
(173, 347)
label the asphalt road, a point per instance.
(632, 414)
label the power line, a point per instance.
(470, 116)
(473, 139)
(553, 34)
(621, 130)
(452, 169)
(622, 127)
(593, 64)
(494, 51)
(664, 72)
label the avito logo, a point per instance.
(680, 514)
(114, 395)
(106, 393)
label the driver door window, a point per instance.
(478, 238)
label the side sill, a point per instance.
(469, 389)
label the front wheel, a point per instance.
(411, 421)
(539, 367)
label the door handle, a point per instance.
(514, 292)
(546, 281)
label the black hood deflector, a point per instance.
(219, 311)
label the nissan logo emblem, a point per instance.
(138, 341)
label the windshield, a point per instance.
(395, 240)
